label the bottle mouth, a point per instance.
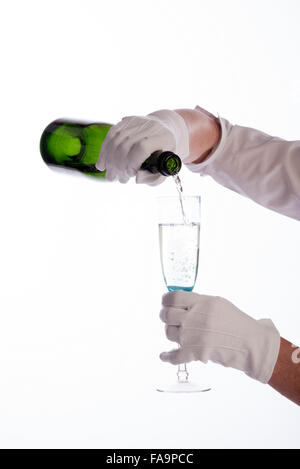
(169, 163)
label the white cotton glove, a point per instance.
(212, 328)
(130, 142)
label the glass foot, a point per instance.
(182, 387)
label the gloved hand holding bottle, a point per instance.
(134, 138)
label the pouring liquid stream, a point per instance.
(180, 192)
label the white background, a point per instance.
(80, 277)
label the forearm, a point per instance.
(263, 168)
(204, 134)
(286, 375)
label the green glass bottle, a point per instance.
(77, 144)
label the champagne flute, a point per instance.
(179, 239)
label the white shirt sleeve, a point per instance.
(263, 168)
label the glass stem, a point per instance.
(182, 373)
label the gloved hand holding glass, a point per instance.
(212, 328)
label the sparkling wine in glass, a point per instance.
(179, 239)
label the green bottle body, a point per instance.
(76, 145)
